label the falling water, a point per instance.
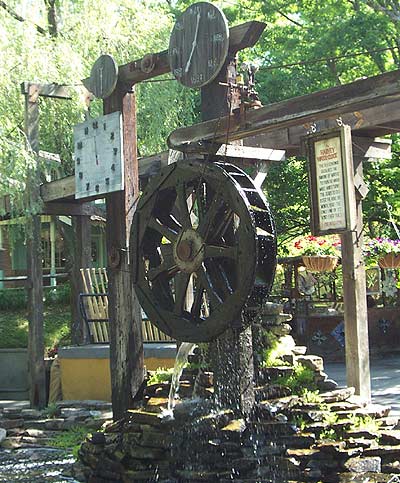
(180, 361)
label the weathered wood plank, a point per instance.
(72, 209)
(355, 301)
(46, 90)
(361, 94)
(37, 383)
(126, 341)
(59, 189)
(370, 122)
(240, 37)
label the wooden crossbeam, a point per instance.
(240, 37)
(46, 90)
(368, 93)
(72, 209)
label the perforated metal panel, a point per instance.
(99, 156)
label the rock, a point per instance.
(3, 434)
(315, 363)
(299, 350)
(337, 395)
(271, 391)
(143, 417)
(370, 464)
(392, 468)
(390, 437)
(327, 385)
(31, 414)
(374, 411)
(12, 423)
(271, 308)
(76, 413)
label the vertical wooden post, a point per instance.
(232, 353)
(53, 280)
(81, 259)
(126, 340)
(37, 390)
(355, 301)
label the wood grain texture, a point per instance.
(46, 90)
(126, 340)
(355, 301)
(240, 37)
(36, 369)
(362, 94)
(198, 45)
(103, 76)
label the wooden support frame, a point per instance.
(126, 339)
(36, 369)
(350, 98)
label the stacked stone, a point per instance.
(29, 428)
(274, 321)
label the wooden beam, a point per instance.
(46, 90)
(126, 340)
(355, 300)
(59, 189)
(72, 209)
(370, 122)
(37, 378)
(240, 37)
(350, 98)
(64, 188)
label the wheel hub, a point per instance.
(189, 251)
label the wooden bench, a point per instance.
(93, 303)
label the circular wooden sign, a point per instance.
(103, 76)
(198, 45)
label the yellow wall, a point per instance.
(90, 378)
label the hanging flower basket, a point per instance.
(390, 260)
(319, 263)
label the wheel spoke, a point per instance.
(164, 230)
(167, 267)
(212, 251)
(198, 300)
(181, 285)
(206, 283)
(206, 222)
(223, 225)
(181, 202)
(220, 280)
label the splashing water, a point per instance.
(180, 361)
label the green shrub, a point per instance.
(277, 348)
(301, 379)
(17, 298)
(70, 440)
(161, 375)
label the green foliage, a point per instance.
(160, 375)
(365, 423)
(299, 421)
(300, 380)
(276, 349)
(16, 298)
(330, 434)
(70, 440)
(14, 327)
(51, 411)
(312, 397)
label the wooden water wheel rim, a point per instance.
(213, 245)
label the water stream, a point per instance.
(180, 362)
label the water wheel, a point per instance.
(202, 247)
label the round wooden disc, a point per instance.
(104, 76)
(198, 45)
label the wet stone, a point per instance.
(363, 465)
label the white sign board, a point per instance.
(98, 154)
(330, 187)
(331, 180)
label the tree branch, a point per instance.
(15, 15)
(290, 19)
